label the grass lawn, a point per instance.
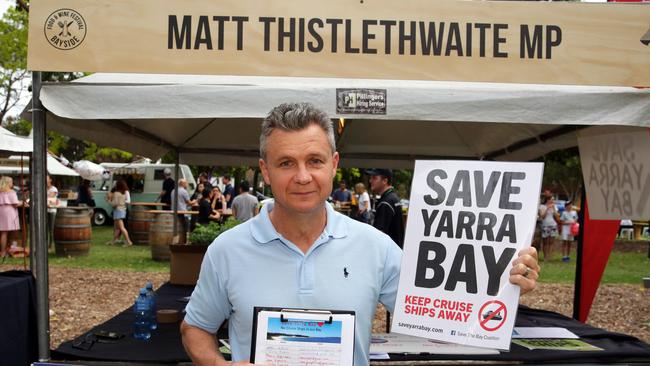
(622, 267)
(135, 258)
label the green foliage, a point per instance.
(19, 126)
(74, 149)
(563, 173)
(402, 179)
(205, 235)
(349, 175)
(13, 56)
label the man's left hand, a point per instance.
(525, 270)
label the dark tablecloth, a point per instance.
(165, 344)
(18, 329)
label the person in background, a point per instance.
(127, 201)
(244, 206)
(85, 194)
(218, 200)
(168, 186)
(388, 211)
(342, 196)
(198, 192)
(363, 212)
(547, 214)
(568, 218)
(228, 190)
(52, 204)
(8, 213)
(206, 212)
(197, 197)
(117, 199)
(299, 251)
(183, 203)
(203, 178)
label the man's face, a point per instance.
(300, 167)
(378, 183)
(225, 181)
(342, 186)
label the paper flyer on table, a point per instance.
(467, 221)
(401, 343)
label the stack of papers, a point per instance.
(530, 337)
(384, 343)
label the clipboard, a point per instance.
(285, 336)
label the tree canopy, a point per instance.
(13, 58)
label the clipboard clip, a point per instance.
(301, 311)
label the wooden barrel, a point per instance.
(161, 234)
(72, 232)
(139, 224)
(638, 228)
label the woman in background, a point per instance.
(206, 212)
(198, 192)
(363, 213)
(547, 214)
(117, 199)
(8, 212)
(218, 200)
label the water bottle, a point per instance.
(151, 296)
(141, 328)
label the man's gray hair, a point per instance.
(295, 117)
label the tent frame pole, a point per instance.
(38, 228)
(577, 288)
(175, 195)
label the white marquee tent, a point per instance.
(216, 119)
(11, 143)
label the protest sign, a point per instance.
(616, 171)
(467, 220)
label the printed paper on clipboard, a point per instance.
(297, 337)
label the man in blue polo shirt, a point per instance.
(298, 252)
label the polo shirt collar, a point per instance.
(263, 230)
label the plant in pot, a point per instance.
(205, 234)
(186, 259)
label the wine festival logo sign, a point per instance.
(467, 221)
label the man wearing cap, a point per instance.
(388, 211)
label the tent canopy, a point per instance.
(11, 143)
(216, 119)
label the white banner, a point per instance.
(467, 220)
(491, 41)
(616, 171)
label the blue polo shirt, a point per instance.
(253, 265)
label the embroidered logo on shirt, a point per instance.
(345, 272)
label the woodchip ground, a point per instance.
(83, 298)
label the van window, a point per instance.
(159, 174)
(100, 185)
(138, 185)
